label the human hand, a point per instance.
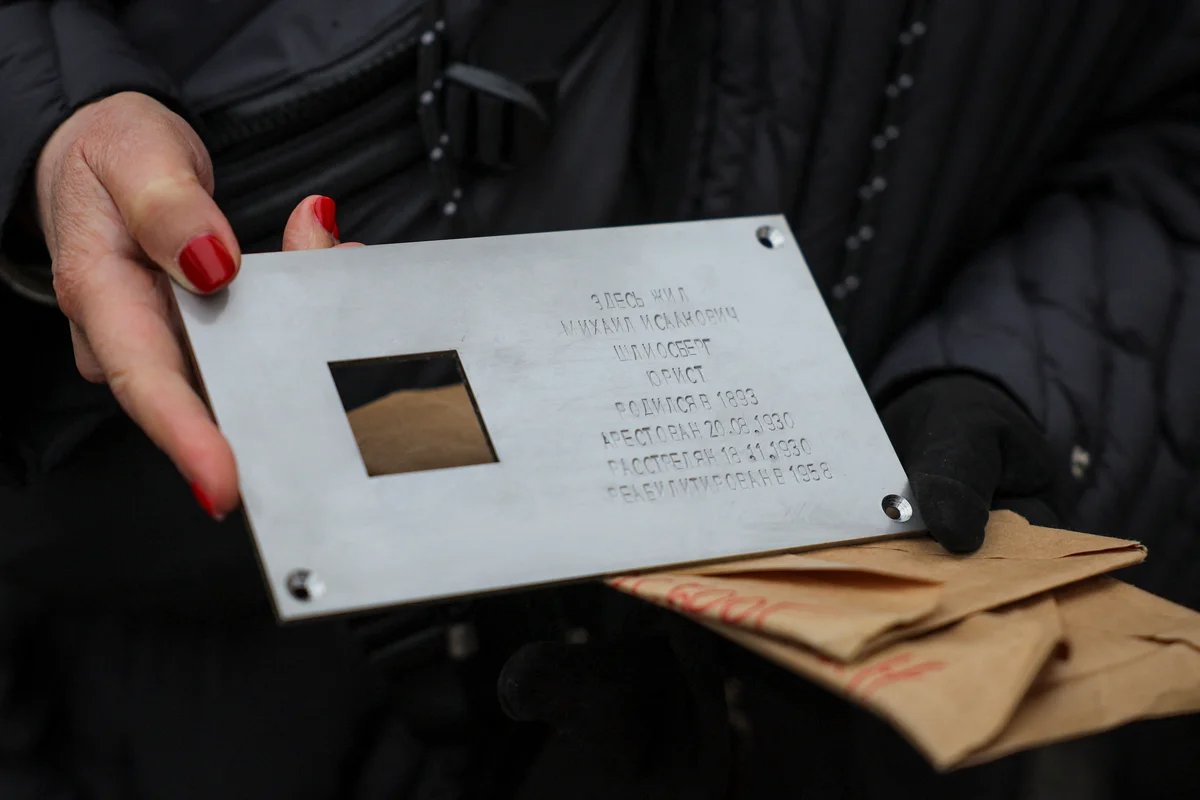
(124, 195)
(969, 447)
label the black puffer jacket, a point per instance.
(999, 188)
(1010, 188)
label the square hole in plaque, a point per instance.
(412, 413)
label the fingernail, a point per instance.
(326, 212)
(205, 502)
(206, 263)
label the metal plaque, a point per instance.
(653, 395)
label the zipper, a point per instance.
(265, 116)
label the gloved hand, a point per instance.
(969, 447)
(642, 716)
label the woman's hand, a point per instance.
(124, 194)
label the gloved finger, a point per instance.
(954, 511)
(160, 179)
(312, 225)
(953, 459)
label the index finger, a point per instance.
(126, 321)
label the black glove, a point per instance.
(969, 447)
(642, 716)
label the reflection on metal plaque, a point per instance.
(427, 420)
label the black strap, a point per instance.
(492, 121)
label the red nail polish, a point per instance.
(205, 502)
(326, 212)
(206, 263)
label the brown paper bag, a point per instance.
(1129, 655)
(1017, 560)
(949, 693)
(995, 684)
(833, 608)
(845, 602)
(974, 678)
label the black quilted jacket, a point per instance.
(1006, 187)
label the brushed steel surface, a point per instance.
(528, 315)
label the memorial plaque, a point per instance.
(639, 397)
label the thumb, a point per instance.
(312, 225)
(948, 437)
(161, 185)
(955, 511)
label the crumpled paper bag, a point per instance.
(845, 602)
(834, 608)
(1128, 655)
(950, 693)
(1079, 660)
(1023, 646)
